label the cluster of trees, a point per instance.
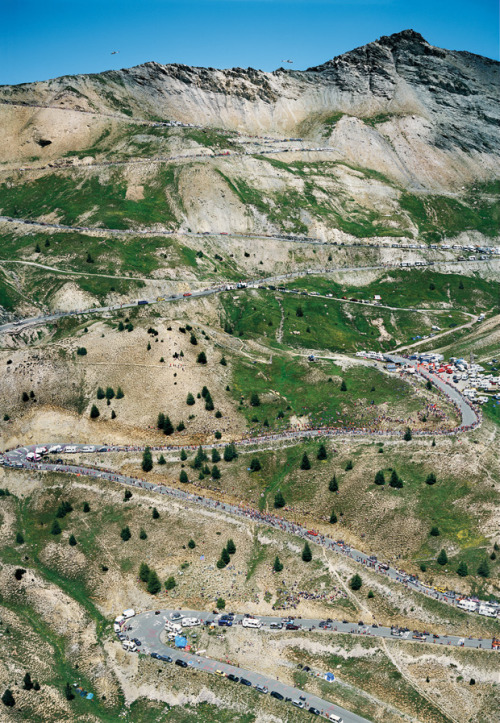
(109, 394)
(394, 480)
(227, 551)
(483, 569)
(28, 684)
(163, 422)
(128, 326)
(150, 577)
(26, 397)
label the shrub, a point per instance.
(127, 495)
(343, 386)
(56, 528)
(431, 479)
(170, 583)
(462, 569)
(144, 572)
(221, 603)
(27, 682)
(143, 534)
(191, 544)
(86, 507)
(156, 514)
(19, 538)
(125, 534)
(333, 517)
(223, 361)
(68, 692)
(370, 594)
(349, 465)
(254, 400)
(255, 465)
(277, 566)
(64, 509)
(190, 400)
(8, 698)
(407, 435)
(355, 582)
(484, 569)
(181, 426)
(423, 566)
(279, 500)
(81, 351)
(162, 460)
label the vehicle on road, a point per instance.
(233, 677)
(313, 710)
(278, 696)
(298, 703)
(262, 688)
(181, 663)
(130, 646)
(175, 616)
(251, 623)
(244, 681)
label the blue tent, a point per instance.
(180, 641)
(329, 677)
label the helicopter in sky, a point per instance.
(115, 52)
(287, 61)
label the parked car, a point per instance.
(181, 663)
(244, 681)
(275, 694)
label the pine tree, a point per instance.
(484, 569)
(72, 540)
(277, 567)
(147, 460)
(333, 517)
(168, 427)
(305, 463)
(433, 443)
(255, 465)
(431, 479)
(333, 485)
(306, 553)
(56, 528)
(279, 500)
(68, 692)
(86, 507)
(190, 400)
(100, 393)
(355, 582)
(161, 420)
(119, 393)
(201, 358)
(407, 435)
(125, 534)
(230, 453)
(223, 361)
(143, 535)
(183, 455)
(215, 472)
(94, 412)
(191, 544)
(231, 547)
(209, 404)
(19, 538)
(113, 414)
(435, 531)
(442, 558)
(379, 478)
(8, 699)
(343, 386)
(193, 340)
(394, 481)
(156, 514)
(254, 400)
(110, 393)
(181, 426)
(183, 476)
(27, 682)
(144, 572)
(170, 583)
(154, 584)
(322, 452)
(215, 456)
(349, 465)
(200, 458)
(162, 460)
(225, 556)
(462, 569)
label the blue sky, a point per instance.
(65, 37)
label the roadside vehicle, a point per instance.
(188, 293)
(166, 658)
(55, 449)
(292, 626)
(244, 681)
(225, 623)
(175, 616)
(276, 626)
(251, 623)
(275, 694)
(71, 449)
(157, 656)
(130, 646)
(233, 677)
(181, 663)
(220, 672)
(313, 710)
(137, 642)
(298, 703)
(334, 718)
(142, 302)
(262, 689)
(128, 613)
(88, 448)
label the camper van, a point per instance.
(251, 623)
(130, 646)
(468, 605)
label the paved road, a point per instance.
(333, 626)
(148, 627)
(253, 283)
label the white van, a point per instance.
(130, 646)
(335, 718)
(70, 449)
(55, 449)
(251, 623)
(88, 448)
(128, 613)
(173, 627)
(190, 622)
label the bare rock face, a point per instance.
(427, 117)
